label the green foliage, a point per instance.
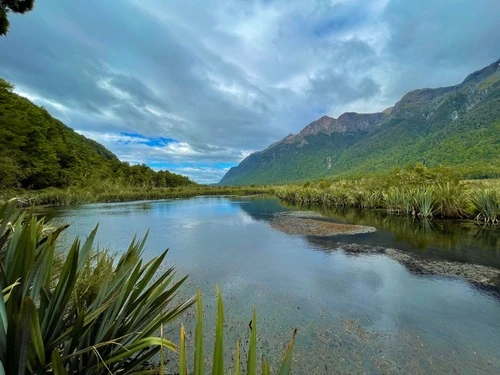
(486, 204)
(39, 151)
(54, 325)
(108, 192)
(16, 6)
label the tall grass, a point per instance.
(424, 201)
(106, 192)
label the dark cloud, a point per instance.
(438, 43)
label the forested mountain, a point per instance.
(38, 151)
(457, 126)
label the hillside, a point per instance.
(38, 151)
(457, 126)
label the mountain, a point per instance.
(38, 151)
(456, 126)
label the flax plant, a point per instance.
(46, 326)
(486, 205)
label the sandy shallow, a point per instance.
(306, 223)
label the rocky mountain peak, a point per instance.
(482, 74)
(322, 125)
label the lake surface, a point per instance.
(354, 313)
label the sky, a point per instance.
(196, 86)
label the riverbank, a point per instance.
(112, 193)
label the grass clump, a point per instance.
(486, 205)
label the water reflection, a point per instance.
(462, 241)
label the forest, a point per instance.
(39, 151)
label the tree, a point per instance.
(5, 85)
(16, 6)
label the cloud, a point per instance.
(226, 78)
(139, 149)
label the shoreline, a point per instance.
(312, 224)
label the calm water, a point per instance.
(354, 314)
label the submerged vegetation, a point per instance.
(416, 191)
(88, 313)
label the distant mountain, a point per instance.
(457, 126)
(38, 151)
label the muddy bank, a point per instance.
(486, 278)
(308, 223)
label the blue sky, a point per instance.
(196, 86)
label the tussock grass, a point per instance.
(416, 191)
(486, 205)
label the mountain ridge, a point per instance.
(329, 147)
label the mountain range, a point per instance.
(456, 126)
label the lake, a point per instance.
(355, 313)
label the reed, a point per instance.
(424, 201)
(451, 199)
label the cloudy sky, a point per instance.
(195, 86)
